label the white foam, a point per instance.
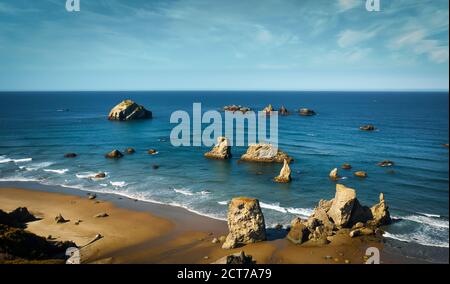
(223, 202)
(85, 175)
(429, 221)
(4, 160)
(430, 215)
(205, 192)
(118, 183)
(60, 172)
(305, 212)
(20, 179)
(183, 191)
(415, 238)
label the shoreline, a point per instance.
(175, 235)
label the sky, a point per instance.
(224, 45)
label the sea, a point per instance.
(38, 128)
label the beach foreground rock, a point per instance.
(237, 258)
(221, 151)
(129, 110)
(285, 174)
(245, 223)
(265, 153)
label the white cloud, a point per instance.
(349, 38)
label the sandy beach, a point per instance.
(162, 234)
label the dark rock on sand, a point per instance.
(129, 110)
(221, 150)
(245, 223)
(368, 127)
(60, 219)
(265, 153)
(237, 258)
(92, 196)
(101, 215)
(386, 163)
(22, 215)
(70, 155)
(115, 154)
(306, 112)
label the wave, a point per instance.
(425, 220)
(183, 191)
(89, 175)
(4, 160)
(19, 179)
(305, 212)
(430, 215)
(118, 183)
(417, 238)
(223, 202)
(60, 172)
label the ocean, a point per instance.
(38, 128)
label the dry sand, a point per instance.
(167, 235)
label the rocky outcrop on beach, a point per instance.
(306, 112)
(285, 174)
(343, 212)
(265, 153)
(129, 110)
(234, 108)
(368, 127)
(114, 154)
(245, 223)
(237, 258)
(221, 150)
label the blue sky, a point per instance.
(224, 45)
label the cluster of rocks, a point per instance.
(344, 212)
(234, 108)
(129, 110)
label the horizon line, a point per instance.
(233, 90)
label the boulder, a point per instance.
(320, 218)
(285, 174)
(346, 167)
(342, 206)
(360, 174)
(92, 196)
(114, 154)
(237, 258)
(380, 213)
(299, 232)
(245, 222)
(152, 152)
(130, 151)
(334, 174)
(283, 111)
(70, 155)
(221, 150)
(368, 127)
(306, 112)
(129, 110)
(386, 163)
(265, 153)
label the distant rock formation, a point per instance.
(234, 108)
(368, 127)
(334, 174)
(386, 163)
(360, 174)
(283, 111)
(265, 153)
(129, 110)
(268, 109)
(285, 173)
(114, 154)
(346, 167)
(306, 112)
(343, 212)
(245, 223)
(221, 150)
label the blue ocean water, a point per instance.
(37, 129)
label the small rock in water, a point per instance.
(115, 154)
(155, 167)
(306, 112)
(130, 151)
(152, 152)
(70, 155)
(386, 163)
(360, 174)
(346, 167)
(101, 215)
(334, 175)
(278, 227)
(368, 127)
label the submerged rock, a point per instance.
(129, 110)
(152, 152)
(360, 174)
(346, 167)
(368, 127)
(334, 174)
(130, 151)
(306, 112)
(265, 153)
(114, 154)
(245, 223)
(285, 174)
(386, 163)
(70, 155)
(221, 150)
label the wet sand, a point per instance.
(141, 232)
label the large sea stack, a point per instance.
(221, 150)
(265, 153)
(129, 110)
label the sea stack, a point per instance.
(245, 223)
(221, 150)
(285, 174)
(129, 110)
(306, 112)
(334, 174)
(268, 109)
(266, 153)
